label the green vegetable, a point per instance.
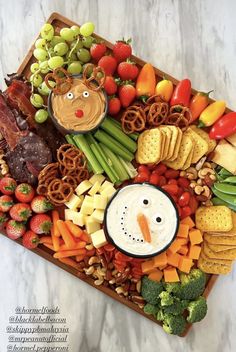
(160, 315)
(151, 309)
(190, 286)
(119, 135)
(113, 145)
(225, 197)
(116, 123)
(218, 201)
(197, 310)
(150, 290)
(174, 324)
(166, 298)
(230, 179)
(69, 139)
(224, 173)
(225, 188)
(178, 307)
(129, 167)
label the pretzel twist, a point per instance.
(156, 113)
(179, 116)
(98, 76)
(133, 119)
(63, 84)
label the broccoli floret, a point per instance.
(166, 298)
(150, 290)
(178, 307)
(160, 315)
(174, 324)
(197, 310)
(151, 309)
(190, 287)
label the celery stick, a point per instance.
(69, 139)
(82, 144)
(116, 123)
(113, 145)
(115, 162)
(119, 135)
(129, 167)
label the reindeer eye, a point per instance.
(85, 94)
(70, 95)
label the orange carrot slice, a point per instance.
(50, 246)
(55, 217)
(74, 229)
(45, 239)
(66, 235)
(80, 257)
(78, 245)
(55, 241)
(144, 227)
(71, 253)
(70, 262)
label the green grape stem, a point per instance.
(34, 74)
(47, 49)
(73, 48)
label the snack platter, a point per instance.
(188, 239)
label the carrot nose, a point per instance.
(144, 227)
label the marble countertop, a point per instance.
(195, 39)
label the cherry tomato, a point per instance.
(162, 181)
(160, 169)
(171, 173)
(143, 168)
(179, 210)
(180, 191)
(172, 189)
(109, 247)
(154, 179)
(193, 204)
(172, 181)
(184, 199)
(183, 182)
(185, 211)
(142, 177)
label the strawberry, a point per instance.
(114, 106)
(7, 185)
(20, 212)
(110, 85)
(98, 50)
(6, 202)
(15, 229)
(127, 94)
(40, 223)
(127, 70)
(30, 240)
(40, 204)
(109, 64)
(24, 193)
(122, 50)
(3, 219)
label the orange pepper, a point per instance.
(146, 81)
(198, 103)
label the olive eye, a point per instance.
(157, 219)
(145, 202)
(70, 95)
(85, 94)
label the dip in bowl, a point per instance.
(158, 214)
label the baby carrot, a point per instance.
(55, 240)
(65, 233)
(71, 253)
(74, 229)
(50, 246)
(80, 257)
(85, 237)
(70, 262)
(55, 217)
(78, 245)
(143, 224)
(45, 239)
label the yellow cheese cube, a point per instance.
(87, 206)
(100, 202)
(98, 215)
(105, 185)
(91, 225)
(94, 189)
(74, 202)
(97, 178)
(98, 239)
(76, 217)
(108, 192)
(83, 187)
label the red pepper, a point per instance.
(224, 127)
(182, 93)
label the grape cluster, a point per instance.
(69, 49)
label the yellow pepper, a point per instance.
(212, 113)
(165, 89)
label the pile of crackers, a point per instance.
(219, 246)
(175, 148)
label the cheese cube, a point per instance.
(108, 191)
(105, 185)
(76, 217)
(83, 187)
(98, 215)
(91, 225)
(87, 206)
(98, 239)
(94, 189)
(100, 202)
(97, 178)
(74, 202)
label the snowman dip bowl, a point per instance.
(141, 220)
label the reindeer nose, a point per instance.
(79, 113)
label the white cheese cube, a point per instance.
(100, 202)
(98, 215)
(108, 192)
(83, 187)
(94, 189)
(76, 217)
(74, 202)
(97, 178)
(87, 206)
(91, 225)
(98, 239)
(105, 185)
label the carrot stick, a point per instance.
(65, 233)
(45, 239)
(143, 224)
(55, 240)
(79, 258)
(85, 237)
(71, 253)
(55, 217)
(78, 245)
(74, 229)
(70, 262)
(50, 246)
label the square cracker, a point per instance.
(212, 267)
(219, 247)
(211, 142)
(168, 135)
(225, 156)
(214, 218)
(200, 145)
(184, 150)
(229, 254)
(177, 144)
(215, 260)
(232, 139)
(174, 140)
(163, 143)
(188, 162)
(232, 232)
(149, 147)
(224, 240)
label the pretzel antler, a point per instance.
(98, 76)
(62, 79)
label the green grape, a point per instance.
(74, 68)
(87, 42)
(72, 57)
(34, 67)
(87, 29)
(44, 68)
(76, 45)
(41, 116)
(56, 40)
(76, 30)
(89, 71)
(61, 49)
(47, 31)
(67, 34)
(55, 62)
(43, 88)
(36, 100)
(40, 43)
(51, 52)
(36, 80)
(40, 54)
(83, 55)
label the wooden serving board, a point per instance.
(58, 21)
